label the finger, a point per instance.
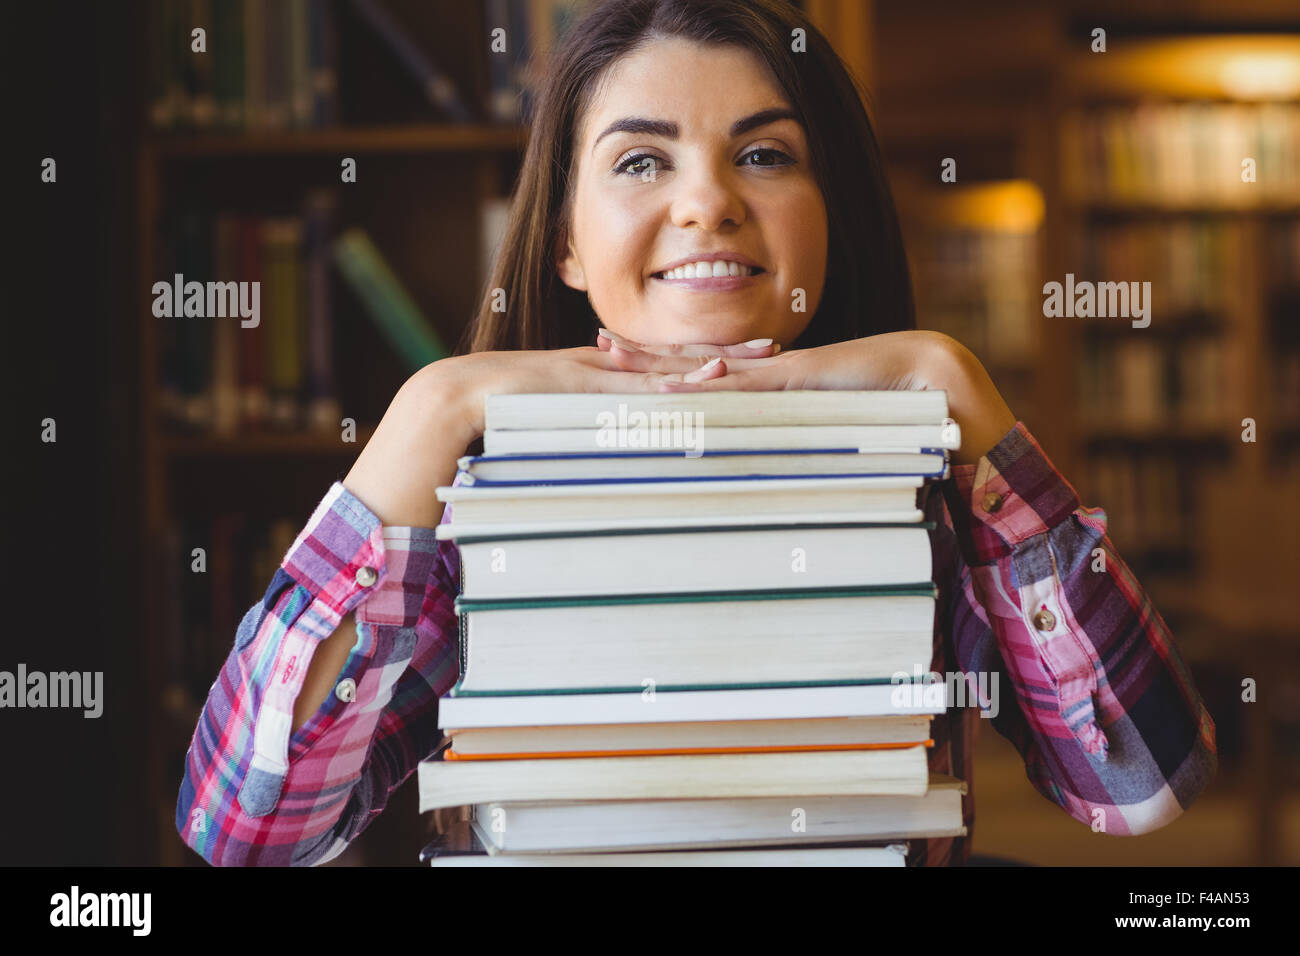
(755, 378)
(652, 362)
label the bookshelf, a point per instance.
(243, 495)
(999, 90)
(1151, 182)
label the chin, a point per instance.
(712, 330)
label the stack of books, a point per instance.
(695, 629)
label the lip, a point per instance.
(712, 283)
(735, 257)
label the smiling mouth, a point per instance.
(754, 271)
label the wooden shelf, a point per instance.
(422, 138)
(264, 444)
(1133, 208)
(1177, 434)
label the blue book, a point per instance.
(679, 466)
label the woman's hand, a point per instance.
(893, 360)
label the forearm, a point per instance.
(326, 663)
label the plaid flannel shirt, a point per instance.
(1093, 692)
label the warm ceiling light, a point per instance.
(1261, 76)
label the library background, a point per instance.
(1104, 166)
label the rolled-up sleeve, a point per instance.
(1096, 697)
(257, 793)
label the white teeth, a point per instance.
(706, 269)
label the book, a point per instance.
(385, 300)
(225, 333)
(649, 561)
(694, 640)
(893, 855)
(799, 407)
(623, 504)
(604, 826)
(323, 409)
(841, 773)
(574, 739)
(690, 706)
(283, 300)
(254, 399)
(642, 466)
(863, 438)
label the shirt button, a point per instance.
(346, 690)
(366, 577)
(992, 502)
(1044, 620)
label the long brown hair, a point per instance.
(868, 289)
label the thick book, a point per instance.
(666, 466)
(755, 557)
(599, 826)
(697, 436)
(615, 503)
(694, 640)
(800, 407)
(893, 855)
(661, 707)
(576, 740)
(456, 783)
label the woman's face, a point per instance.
(684, 156)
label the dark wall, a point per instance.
(71, 539)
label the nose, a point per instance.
(706, 197)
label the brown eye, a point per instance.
(781, 158)
(636, 165)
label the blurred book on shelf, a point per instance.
(255, 66)
(276, 66)
(518, 57)
(1182, 153)
(247, 338)
(974, 252)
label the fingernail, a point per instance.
(623, 346)
(700, 373)
(758, 343)
(776, 348)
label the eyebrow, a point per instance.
(669, 130)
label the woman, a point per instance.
(675, 132)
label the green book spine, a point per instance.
(920, 589)
(390, 306)
(621, 532)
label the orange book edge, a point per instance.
(450, 754)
